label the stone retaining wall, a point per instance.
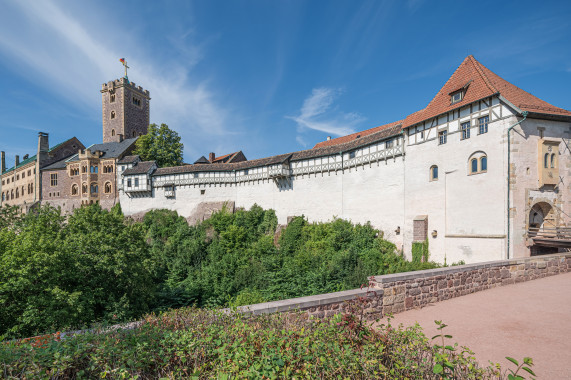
(395, 293)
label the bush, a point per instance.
(202, 344)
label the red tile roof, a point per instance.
(354, 136)
(221, 158)
(480, 83)
(477, 82)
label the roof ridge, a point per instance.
(478, 67)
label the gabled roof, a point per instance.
(357, 135)
(478, 82)
(231, 157)
(202, 160)
(110, 150)
(141, 168)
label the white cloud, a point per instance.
(72, 50)
(318, 114)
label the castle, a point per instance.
(69, 175)
(481, 173)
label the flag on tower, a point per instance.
(122, 60)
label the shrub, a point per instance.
(201, 344)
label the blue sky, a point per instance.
(265, 77)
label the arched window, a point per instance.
(107, 187)
(434, 173)
(484, 164)
(134, 134)
(112, 132)
(545, 160)
(474, 165)
(477, 163)
(94, 188)
(74, 189)
(84, 188)
(112, 114)
(553, 160)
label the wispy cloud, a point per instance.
(318, 113)
(68, 51)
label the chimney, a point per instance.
(43, 148)
(3, 162)
(328, 138)
(17, 160)
(211, 156)
(120, 137)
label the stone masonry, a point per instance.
(395, 293)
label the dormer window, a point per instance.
(456, 96)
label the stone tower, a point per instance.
(125, 110)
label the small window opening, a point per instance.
(442, 137)
(456, 97)
(474, 166)
(112, 114)
(483, 124)
(465, 130)
(434, 173)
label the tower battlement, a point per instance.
(122, 82)
(125, 110)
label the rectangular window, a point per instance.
(136, 182)
(465, 130)
(456, 97)
(388, 144)
(352, 154)
(442, 137)
(53, 179)
(94, 169)
(483, 124)
(129, 182)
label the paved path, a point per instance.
(527, 319)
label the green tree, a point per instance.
(160, 144)
(58, 275)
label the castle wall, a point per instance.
(466, 212)
(527, 190)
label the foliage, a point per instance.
(231, 259)
(98, 266)
(202, 344)
(420, 251)
(58, 274)
(160, 144)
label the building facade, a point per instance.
(473, 173)
(87, 177)
(22, 184)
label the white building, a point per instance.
(439, 174)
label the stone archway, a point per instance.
(542, 215)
